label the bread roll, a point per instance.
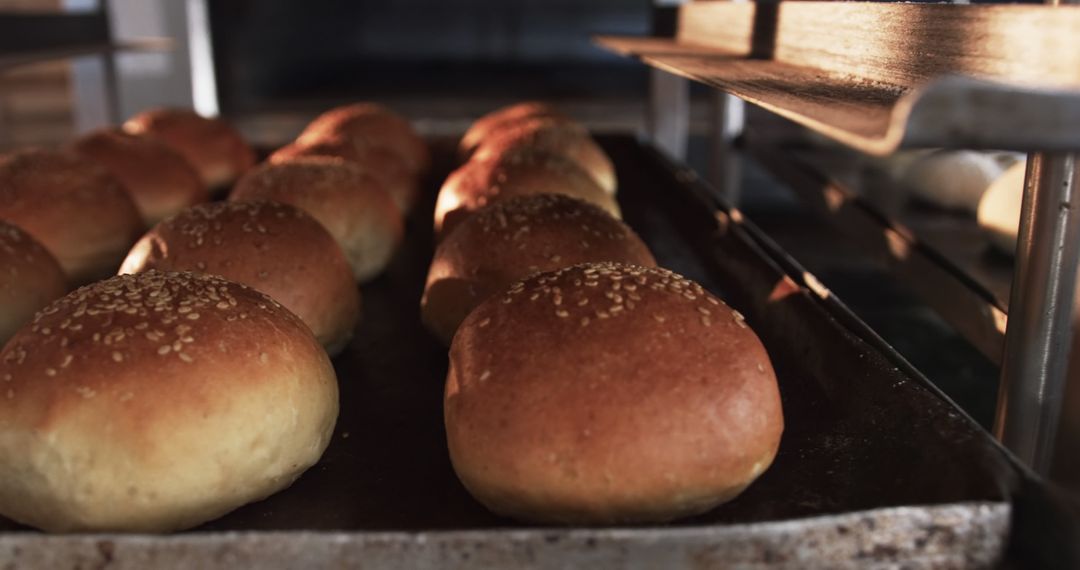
(499, 119)
(520, 173)
(155, 402)
(953, 180)
(556, 136)
(371, 124)
(380, 163)
(999, 209)
(275, 248)
(515, 238)
(607, 393)
(349, 203)
(160, 180)
(217, 150)
(73, 206)
(30, 278)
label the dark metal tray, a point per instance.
(875, 464)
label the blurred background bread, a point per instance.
(275, 248)
(523, 172)
(607, 393)
(30, 278)
(512, 239)
(73, 206)
(217, 150)
(499, 119)
(158, 401)
(371, 124)
(381, 163)
(347, 201)
(160, 180)
(554, 135)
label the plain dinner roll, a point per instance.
(377, 161)
(951, 179)
(30, 278)
(499, 119)
(370, 124)
(275, 248)
(999, 209)
(159, 179)
(73, 206)
(480, 182)
(352, 205)
(217, 150)
(557, 136)
(607, 393)
(158, 401)
(515, 238)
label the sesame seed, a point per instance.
(484, 322)
(703, 311)
(117, 357)
(164, 349)
(185, 357)
(193, 316)
(562, 313)
(584, 321)
(50, 372)
(761, 367)
(485, 375)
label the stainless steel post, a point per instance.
(669, 112)
(1040, 310)
(725, 170)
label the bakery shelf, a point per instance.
(148, 45)
(875, 466)
(28, 38)
(880, 76)
(978, 309)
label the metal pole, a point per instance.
(669, 112)
(1040, 310)
(729, 119)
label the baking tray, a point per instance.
(876, 467)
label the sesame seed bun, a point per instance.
(524, 172)
(73, 206)
(30, 278)
(512, 239)
(371, 124)
(607, 393)
(159, 179)
(275, 248)
(557, 136)
(348, 202)
(217, 150)
(380, 163)
(499, 119)
(157, 401)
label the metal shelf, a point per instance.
(878, 77)
(147, 45)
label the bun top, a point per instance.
(572, 378)
(30, 277)
(170, 324)
(73, 206)
(379, 162)
(553, 135)
(276, 248)
(217, 150)
(499, 119)
(370, 124)
(160, 180)
(523, 172)
(515, 238)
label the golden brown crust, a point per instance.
(557, 136)
(607, 393)
(498, 120)
(30, 278)
(521, 173)
(214, 147)
(515, 238)
(275, 248)
(380, 163)
(157, 401)
(73, 206)
(160, 180)
(371, 124)
(348, 202)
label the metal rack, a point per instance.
(878, 77)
